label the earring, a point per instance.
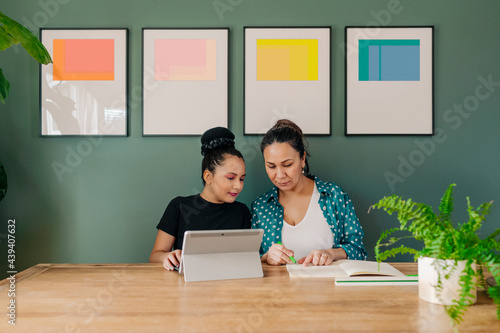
(302, 171)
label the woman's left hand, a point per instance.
(323, 257)
(317, 258)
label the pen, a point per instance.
(291, 258)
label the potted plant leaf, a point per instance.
(12, 33)
(451, 263)
(3, 182)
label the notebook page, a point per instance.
(358, 267)
(334, 270)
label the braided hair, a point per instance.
(216, 144)
(286, 131)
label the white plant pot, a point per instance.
(428, 280)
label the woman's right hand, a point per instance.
(278, 255)
(162, 251)
(172, 259)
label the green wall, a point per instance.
(107, 208)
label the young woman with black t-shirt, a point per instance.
(215, 208)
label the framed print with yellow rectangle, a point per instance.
(287, 75)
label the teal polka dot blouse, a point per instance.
(267, 214)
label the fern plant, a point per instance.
(443, 241)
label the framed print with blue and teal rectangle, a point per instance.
(389, 81)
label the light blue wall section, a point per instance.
(107, 207)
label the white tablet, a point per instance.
(221, 254)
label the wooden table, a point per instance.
(147, 298)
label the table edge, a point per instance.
(405, 267)
(40, 268)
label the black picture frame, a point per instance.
(399, 105)
(84, 98)
(186, 106)
(306, 102)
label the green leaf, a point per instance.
(4, 87)
(446, 205)
(394, 251)
(3, 182)
(6, 40)
(476, 217)
(29, 42)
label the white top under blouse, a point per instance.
(312, 233)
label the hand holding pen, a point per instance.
(278, 254)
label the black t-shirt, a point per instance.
(195, 213)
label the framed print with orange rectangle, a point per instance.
(84, 90)
(287, 75)
(185, 80)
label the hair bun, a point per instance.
(216, 137)
(285, 123)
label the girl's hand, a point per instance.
(278, 255)
(173, 259)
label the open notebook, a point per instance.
(354, 272)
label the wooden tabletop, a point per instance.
(147, 298)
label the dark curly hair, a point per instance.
(286, 131)
(216, 144)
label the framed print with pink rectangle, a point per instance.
(185, 80)
(287, 75)
(389, 81)
(84, 90)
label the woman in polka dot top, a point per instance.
(302, 216)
